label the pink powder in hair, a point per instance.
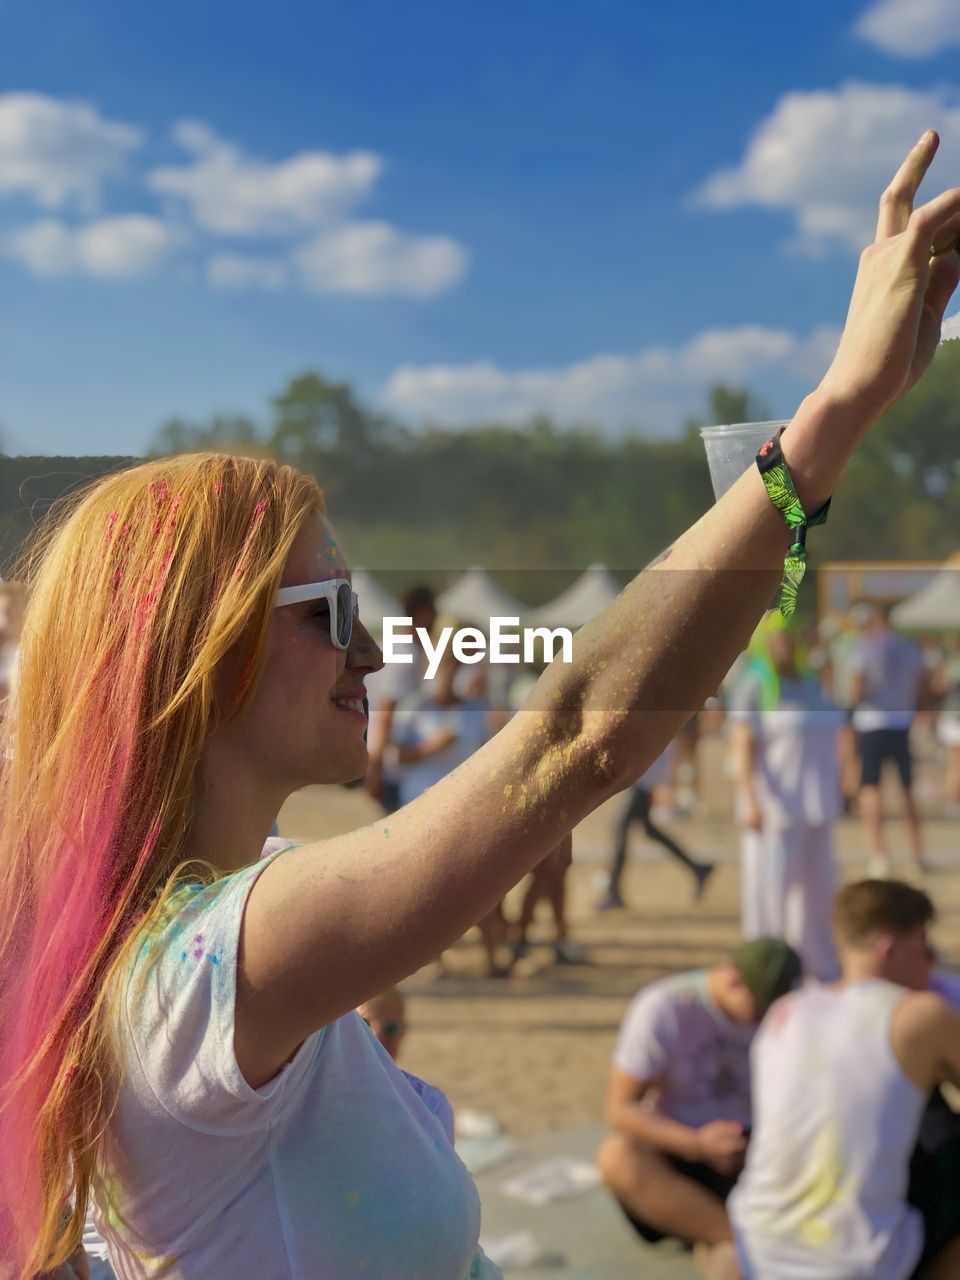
(49, 979)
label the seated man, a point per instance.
(679, 1095)
(836, 1184)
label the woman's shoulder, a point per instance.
(198, 916)
(176, 1005)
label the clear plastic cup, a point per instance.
(732, 449)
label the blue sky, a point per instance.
(469, 211)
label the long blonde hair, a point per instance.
(137, 593)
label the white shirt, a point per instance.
(338, 1168)
(674, 1033)
(389, 686)
(418, 719)
(797, 775)
(892, 667)
(823, 1195)
(658, 773)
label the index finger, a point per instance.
(896, 203)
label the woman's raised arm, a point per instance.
(328, 925)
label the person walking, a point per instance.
(891, 675)
(638, 812)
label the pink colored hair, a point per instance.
(137, 594)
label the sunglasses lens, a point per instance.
(344, 614)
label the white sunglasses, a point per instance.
(341, 601)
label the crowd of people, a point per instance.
(181, 1051)
(817, 719)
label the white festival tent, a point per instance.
(375, 602)
(475, 598)
(935, 606)
(581, 602)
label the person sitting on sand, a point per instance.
(678, 1101)
(836, 1183)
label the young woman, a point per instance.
(177, 1025)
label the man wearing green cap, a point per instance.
(679, 1095)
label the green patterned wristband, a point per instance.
(783, 495)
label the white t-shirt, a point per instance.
(823, 1195)
(892, 667)
(658, 773)
(389, 686)
(418, 719)
(797, 775)
(338, 1168)
(674, 1033)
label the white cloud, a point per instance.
(112, 248)
(59, 153)
(234, 271)
(654, 388)
(233, 194)
(951, 327)
(824, 157)
(911, 28)
(373, 258)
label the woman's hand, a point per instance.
(900, 295)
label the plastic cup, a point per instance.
(731, 450)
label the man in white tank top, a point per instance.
(833, 1188)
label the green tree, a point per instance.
(314, 417)
(222, 433)
(900, 497)
(727, 405)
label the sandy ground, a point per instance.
(534, 1050)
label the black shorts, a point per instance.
(720, 1184)
(878, 745)
(935, 1178)
(390, 796)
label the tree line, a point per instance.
(541, 497)
(527, 500)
